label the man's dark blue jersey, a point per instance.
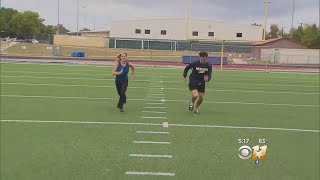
(198, 71)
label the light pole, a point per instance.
(84, 16)
(94, 23)
(282, 30)
(78, 18)
(291, 30)
(265, 20)
(187, 19)
(58, 17)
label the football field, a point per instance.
(61, 122)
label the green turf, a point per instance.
(101, 151)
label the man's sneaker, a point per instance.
(197, 111)
(121, 110)
(190, 106)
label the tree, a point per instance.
(26, 24)
(255, 24)
(274, 32)
(85, 29)
(48, 30)
(61, 29)
(311, 36)
(6, 15)
(297, 34)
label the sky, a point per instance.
(103, 12)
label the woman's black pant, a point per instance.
(122, 88)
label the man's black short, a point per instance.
(200, 86)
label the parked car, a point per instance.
(34, 41)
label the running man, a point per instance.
(201, 72)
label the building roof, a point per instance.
(274, 40)
(266, 41)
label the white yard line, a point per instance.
(149, 156)
(149, 173)
(160, 92)
(184, 101)
(150, 142)
(155, 124)
(156, 112)
(153, 117)
(151, 132)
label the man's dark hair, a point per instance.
(203, 54)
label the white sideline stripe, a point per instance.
(70, 78)
(214, 102)
(161, 92)
(243, 77)
(151, 132)
(151, 117)
(157, 112)
(242, 127)
(251, 91)
(110, 66)
(155, 103)
(82, 122)
(150, 142)
(267, 92)
(281, 85)
(55, 97)
(40, 72)
(149, 96)
(149, 156)
(267, 84)
(63, 85)
(112, 79)
(249, 103)
(80, 65)
(55, 73)
(154, 107)
(156, 91)
(149, 173)
(155, 97)
(154, 124)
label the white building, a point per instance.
(177, 29)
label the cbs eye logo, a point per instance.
(245, 152)
(257, 153)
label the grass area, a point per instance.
(89, 148)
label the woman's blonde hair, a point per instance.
(119, 56)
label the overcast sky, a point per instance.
(231, 11)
